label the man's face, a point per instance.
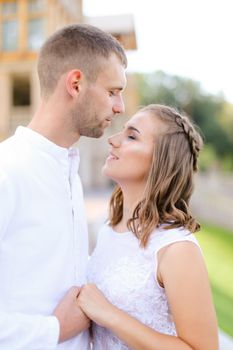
(101, 100)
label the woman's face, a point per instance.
(130, 156)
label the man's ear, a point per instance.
(72, 82)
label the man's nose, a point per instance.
(119, 106)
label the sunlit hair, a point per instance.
(76, 46)
(170, 181)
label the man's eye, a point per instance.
(131, 137)
(111, 93)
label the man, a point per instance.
(43, 235)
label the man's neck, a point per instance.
(51, 125)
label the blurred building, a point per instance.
(24, 25)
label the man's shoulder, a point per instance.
(6, 148)
(10, 153)
(8, 143)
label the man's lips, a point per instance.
(108, 119)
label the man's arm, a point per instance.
(28, 331)
(71, 318)
(33, 331)
(7, 203)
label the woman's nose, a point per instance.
(114, 140)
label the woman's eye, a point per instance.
(131, 137)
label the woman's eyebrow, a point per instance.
(130, 127)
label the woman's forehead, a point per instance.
(147, 122)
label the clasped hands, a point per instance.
(78, 307)
(95, 305)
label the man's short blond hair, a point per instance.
(75, 47)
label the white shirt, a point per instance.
(43, 240)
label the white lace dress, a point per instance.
(126, 274)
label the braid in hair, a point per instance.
(194, 139)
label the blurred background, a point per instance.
(180, 53)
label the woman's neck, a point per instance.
(131, 198)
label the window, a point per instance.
(22, 25)
(10, 35)
(9, 8)
(10, 26)
(35, 5)
(21, 91)
(35, 33)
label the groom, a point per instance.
(43, 235)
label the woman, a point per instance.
(149, 286)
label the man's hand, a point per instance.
(70, 316)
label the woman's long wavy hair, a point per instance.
(170, 180)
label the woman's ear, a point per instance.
(73, 82)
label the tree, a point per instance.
(207, 110)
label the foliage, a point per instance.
(211, 113)
(208, 158)
(217, 247)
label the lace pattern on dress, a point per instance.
(125, 273)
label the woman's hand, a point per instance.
(94, 304)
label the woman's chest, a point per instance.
(126, 277)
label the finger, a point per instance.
(78, 291)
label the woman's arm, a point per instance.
(135, 334)
(185, 280)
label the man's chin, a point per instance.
(94, 133)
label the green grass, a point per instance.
(217, 247)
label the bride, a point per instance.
(148, 286)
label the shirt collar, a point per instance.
(41, 142)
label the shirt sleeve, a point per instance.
(7, 203)
(21, 331)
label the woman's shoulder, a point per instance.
(163, 236)
(104, 231)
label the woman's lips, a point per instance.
(112, 156)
